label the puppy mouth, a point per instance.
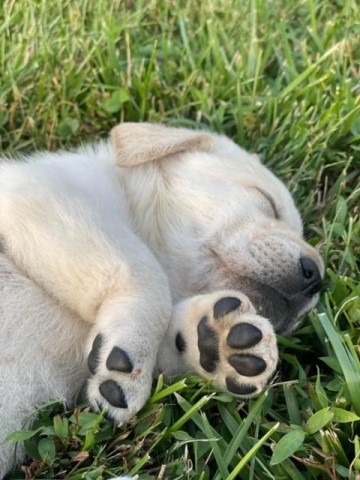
(284, 312)
(312, 290)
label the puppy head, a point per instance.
(216, 218)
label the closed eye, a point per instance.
(270, 201)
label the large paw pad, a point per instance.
(208, 344)
(93, 358)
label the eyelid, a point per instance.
(270, 200)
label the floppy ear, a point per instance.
(136, 143)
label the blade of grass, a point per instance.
(176, 387)
(214, 445)
(190, 413)
(243, 429)
(251, 453)
(306, 73)
(347, 363)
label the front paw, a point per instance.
(116, 382)
(221, 338)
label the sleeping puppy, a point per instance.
(161, 250)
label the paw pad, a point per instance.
(93, 358)
(225, 305)
(113, 393)
(119, 360)
(244, 335)
(208, 344)
(247, 365)
(239, 388)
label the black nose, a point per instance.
(311, 276)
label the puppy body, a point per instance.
(137, 256)
(41, 355)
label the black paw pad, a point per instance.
(247, 365)
(244, 335)
(239, 388)
(208, 345)
(113, 393)
(119, 360)
(225, 305)
(93, 358)
(180, 343)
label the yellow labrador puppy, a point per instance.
(155, 251)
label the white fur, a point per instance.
(104, 240)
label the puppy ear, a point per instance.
(136, 143)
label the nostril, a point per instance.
(311, 275)
(308, 270)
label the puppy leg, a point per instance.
(220, 337)
(41, 356)
(122, 355)
(72, 238)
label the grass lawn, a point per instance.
(282, 79)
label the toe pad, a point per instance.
(244, 335)
(113, 393)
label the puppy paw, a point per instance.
(116, 382)
(221, 338)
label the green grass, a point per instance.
(282, 79)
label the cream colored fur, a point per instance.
(135, 240)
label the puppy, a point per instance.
(155, 251)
